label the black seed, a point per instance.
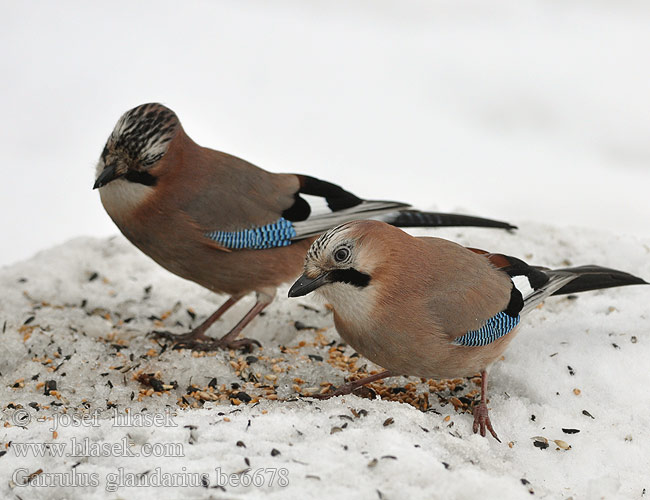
(29, 320)
(34, 405)
(274, 452)
(50, 385)
(191, 313)
(241, 444)
(397, 390)
(586, 413)
(234, 385)
(213, 383)
(524, 481)
(570, 431)
(242, 396)
(388, 421)
(615, 346)
(533, 417)
(156, 384)
(299, 325)
(93, 277)
(571, 372)
(445, 464)
(251, 359)
(540, 444)
(315, 357)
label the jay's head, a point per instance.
(341, 261)
(139, 140)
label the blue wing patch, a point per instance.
(494, 328)
(277, 234)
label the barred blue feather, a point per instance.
(494, 328)
(277, 234)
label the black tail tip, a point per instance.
(416, 218)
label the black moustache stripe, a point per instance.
(141, 178)
(350, 276)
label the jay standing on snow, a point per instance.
(221, 222)
(428, 307)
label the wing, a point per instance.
(241, 206)
(531, 284)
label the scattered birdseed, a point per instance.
(562, 444)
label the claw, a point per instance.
(178, 338)
(215, 345)
(482, 421)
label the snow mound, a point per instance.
(74, 320)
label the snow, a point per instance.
(80, 294)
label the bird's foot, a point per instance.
(341, 391)
(214, 345)
(344, 390)
(482, 420)
(193, 336)
(358, 387)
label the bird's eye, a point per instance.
(341, 254)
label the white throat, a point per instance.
(349, 302)
(121, 197)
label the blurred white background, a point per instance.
(520, 110)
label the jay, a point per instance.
(428, 307)
(221, 222)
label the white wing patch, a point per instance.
(522, 283)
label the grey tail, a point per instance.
(415, 218)
(595, 278)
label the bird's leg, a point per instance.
(481, 418)
(229, 340)
(352, 386)
(198, 334)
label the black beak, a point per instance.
(107, 175)
(305, 285)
